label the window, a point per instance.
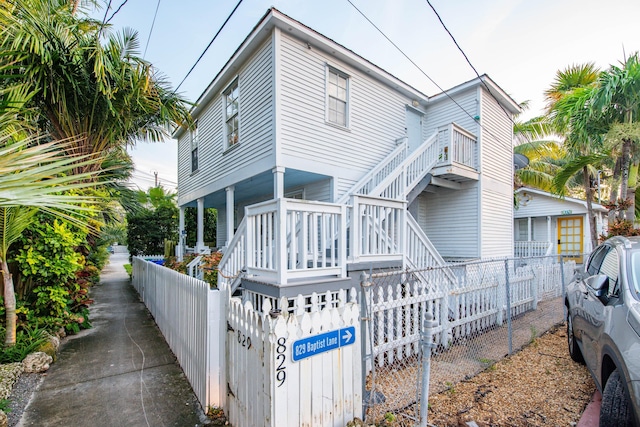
(610, 268)
(194, 147)
(595, 260)
(337, 97)
(523, 230)
(231, 126)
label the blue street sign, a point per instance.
(327, 341)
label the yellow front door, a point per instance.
(570, 232)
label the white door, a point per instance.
(414, 128)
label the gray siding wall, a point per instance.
(444, 111)
(450, 219)
(255, 151)
(496, 179)
(308, 142)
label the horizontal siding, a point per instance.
(496, 149)
(496, 224)
(376, 117)
(450, 220)
(255, 81)
(541, 205)
(320, 191)
(446, 111)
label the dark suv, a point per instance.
(603, 326)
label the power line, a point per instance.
(153, 23)
(469, 61)
(208, 46)
(116, 12)
(524, 134)
(420, 69)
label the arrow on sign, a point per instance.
(347, 336)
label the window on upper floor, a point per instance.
(337, 97)
(194, 147)
(231, 124)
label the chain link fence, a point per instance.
(482, 312)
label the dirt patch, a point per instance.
(538, 386)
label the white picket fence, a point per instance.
(191, 317)
(279, 374)
(475, 302)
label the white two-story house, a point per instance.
(320, 163)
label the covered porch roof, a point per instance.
(259, 187)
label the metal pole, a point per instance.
(506, 275)
(426, 342)
(564, 307)
(364, 327)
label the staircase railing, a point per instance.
(234, 260)
(421, 253)
(398, 183)
(377, 174)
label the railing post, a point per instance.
(426, 344)
(366, 341)
(281, 240)
(508, 292)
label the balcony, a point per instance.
(458, 154)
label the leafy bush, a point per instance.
(148, 229)
(209, 266)
(28, 340)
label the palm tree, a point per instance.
(567, 109)
(616, 102)
(101, 97)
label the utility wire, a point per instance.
(468, 61)
(153, 23)
(524, 134)
(208, 46)
(423, 72)
(116, 12)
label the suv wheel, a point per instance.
(574, 349)
(615, 410)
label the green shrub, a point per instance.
(28, 340)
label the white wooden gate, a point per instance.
(271, 384)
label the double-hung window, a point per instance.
(232, 130)
(194, 147)
(337, 97)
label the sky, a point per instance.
(520, 44)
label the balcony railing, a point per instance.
(457, 146)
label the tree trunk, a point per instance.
(613, 196)
(589, 197)
(9, 305)
(631, 191)
(626, 160)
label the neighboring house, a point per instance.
(320, 163)
(545, 224)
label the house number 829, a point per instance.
(281, 373)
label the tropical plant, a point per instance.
(100, 97)
(568, 112)
(32, 178)
(616, 102)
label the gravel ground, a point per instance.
(21, 394)
(538, 386)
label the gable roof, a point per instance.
(569, 200)
(273, 18)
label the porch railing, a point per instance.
(293, 239)
(457, 146)
(531, 248)
(234, 259)
(376, 229)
